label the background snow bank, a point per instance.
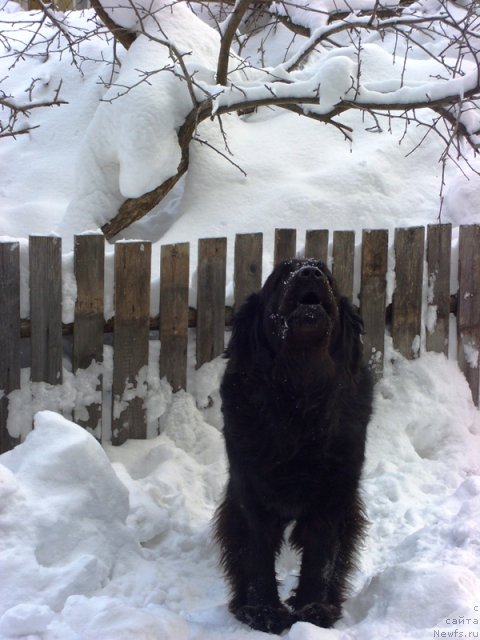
(122, 548)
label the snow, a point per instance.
(115, 543)
(471, 354)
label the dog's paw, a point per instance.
(317, 613)
(268, 618)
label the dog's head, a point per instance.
(300, 305)
(299, 310)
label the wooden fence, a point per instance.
(60, 5)
(422, 259)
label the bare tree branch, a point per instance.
(124, 36)
(234, 20)
(15, 110)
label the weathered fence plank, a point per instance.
(60, 5)
(46, 308)
(174, 288)
(285, 245)
(407, 297)
(130, 339)
(212, 259)
(316, 244)
(9, 334)
(439, 241)
(89, 268)
(247, 275)
(468, 311)
(373, 296)
(343, 261)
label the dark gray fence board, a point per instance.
(130, 337)
(439, 242)
(247, 276)
(316, 244)
(285, 245)
(174, 289)
(407, 297)
(468, 311)
(373, 296)
(212, 258)
(46, 308)
(343, 261)
(9, 333)
(89, 268)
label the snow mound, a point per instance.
(100, 550)
(60, 484)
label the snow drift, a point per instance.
(118, 545)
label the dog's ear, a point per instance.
(247, 339)
(352, 329)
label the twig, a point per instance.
(210, 146)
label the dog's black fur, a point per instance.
(296, 400)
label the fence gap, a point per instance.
(46, 308)
(247, 276)
(407, 297)
(343, 261)
(285, 245)
(89, 268)
(9, 334)
(439, 242)
(130, 340)
(373, 296)
(468, 311)
(174, 289)
(316, 244)
(212, 260)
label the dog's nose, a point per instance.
(309, 272)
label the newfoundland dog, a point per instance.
(296, 400)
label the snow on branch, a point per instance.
(327, 70)
(123, 35)
(356, 23)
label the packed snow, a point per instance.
(115, 543)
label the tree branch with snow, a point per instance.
(186, 64)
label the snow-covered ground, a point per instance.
(116, 543)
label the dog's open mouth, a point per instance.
(310, 298)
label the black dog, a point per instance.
(296, 400)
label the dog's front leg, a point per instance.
(263, 609)
(250, 542)
(320, 546)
